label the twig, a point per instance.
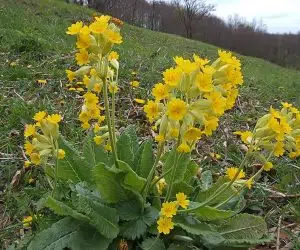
(277, 194)
(19, 96)
(278, 233)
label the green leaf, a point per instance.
(246, 243)
(93, 153)
(103, 218)
(131, 132)
(191, 171)
(243, 227)
(131, 179)
(181, 187)
(73, 167)
(147, 159)
(193, 226)
(180, 167)
(153, 244)
(69, 234)
(210, 214)
(124, 149)
(109, 183)
(206, 179)
(134, 229)
(129, 210)
(219, 185)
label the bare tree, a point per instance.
(191, 11)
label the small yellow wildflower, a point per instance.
(174, 132)
(108, 147)
(55, 118)
(182, 200)
(184, 148)
(249, 183)
(39, 116)
(31, 180)
(168, 209)
(268, 166)
(98, 139)
(246, 136)
(279, 149)
(82, 57)
(28, 148)
(139, 101)
(134, 84)
(113, 36)
(160, 91)
(35, 158)
(160, 138)
(176, 109)
(97, 88)
(192, 134)
(204, 82)
(85, 125)
(286, 105)
(165, 225)
(160, 185)
(27, 164)
(152, 110)
(41, 81)
(113, 88)
(61, 154)
(74, 28)
(172, 77)
(231, 172)
(29, 130)
(70, 75)
(113, 55)
(27, 220)
(98, 27)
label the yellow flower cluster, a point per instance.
(168, 210)
(41, 138)
(277, 132)
(98, 72)
(192, 97)
(233, 173)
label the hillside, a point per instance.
(33, 45)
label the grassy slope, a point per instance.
(32, 34)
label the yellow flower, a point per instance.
(84, 117)
(39, 116)
(27, 164)
(192, 134)
(42, 81)
(174, 132)
(35, 158)
(84, 39)
(231, 172)
(82, 57)
(172, 77)
(90, 99)
(279, 149)
(218, 102)
(61, 154)
(113, 55)
(204, 82)
(268, 166)
(168, 209)
(27, 220)
(246, 136)
(74, 28)
(139, 101)
(113, 36)
(184, 148)
(113, 88)
(249, 183)
(160, 138)
(176, 109)
(28, 148)
(210, 125)
(108, 147)
(55, 118)
(165, 225)
(29, 130)
(85, 125)
(152, 110)
(103, 18)
(98, 139)
(201, 62)
(286, 105)
(160, 185)
(71, 75)
(160, 91)
(134, 84)
(182, 200)
(186, 65)
(80, 89)
(98, 27)
(31, 180)
(97, 88)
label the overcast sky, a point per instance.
(279, 15)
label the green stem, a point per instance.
(174, 168)
(150, 176)
(108, 121)
(113, 115)
(159, 178)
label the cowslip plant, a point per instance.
(121, 193)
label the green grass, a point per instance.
(32, 36)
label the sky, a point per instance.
(280, 16)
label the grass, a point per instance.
(34, 46)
